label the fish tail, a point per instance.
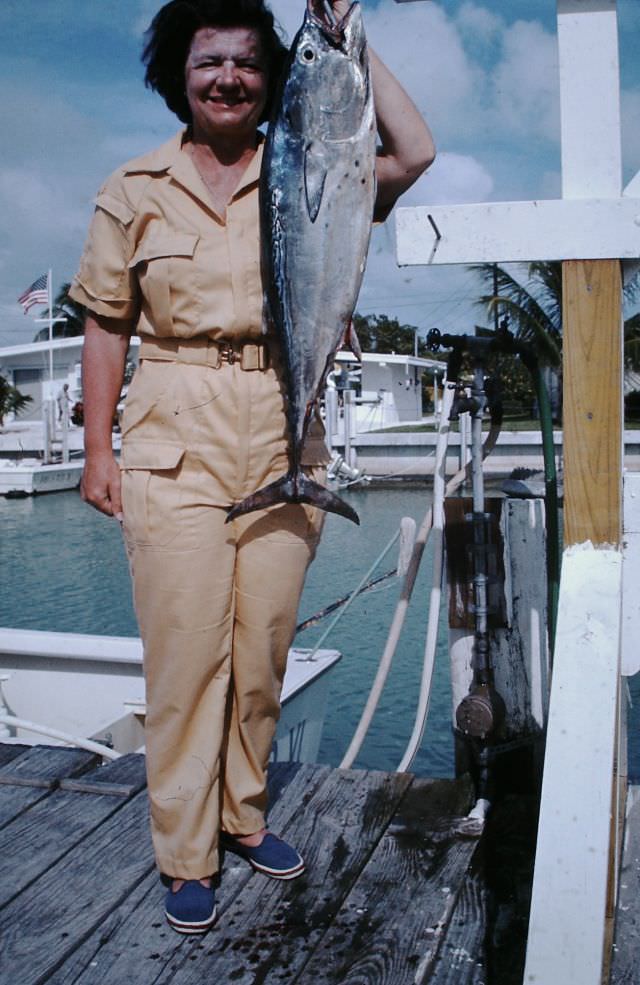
(294, 487)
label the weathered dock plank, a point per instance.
(381, 844)
(10, 751)
(44, 924)
(41, 836)
(462, 959)
(269, 931)
(122, 777)
(135, 944)
(29, 777)
(626, 948)
(391, 925)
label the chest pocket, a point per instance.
(166, 270)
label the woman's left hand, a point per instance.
(340, 7)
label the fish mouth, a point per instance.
(320, 13)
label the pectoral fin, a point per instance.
(315, 176)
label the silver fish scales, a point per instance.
(316, 202)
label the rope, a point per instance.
(71, 740)
(353, 595)
(403, 604)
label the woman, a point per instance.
(173, 254)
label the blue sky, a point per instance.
(483, 72)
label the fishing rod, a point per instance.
(312, 620)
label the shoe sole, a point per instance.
(277, 873)
(197, 927)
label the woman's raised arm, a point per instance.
(406, 145)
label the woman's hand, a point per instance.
(100, 484)
(340, 8)
(103, 360)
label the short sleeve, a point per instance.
(104, 283)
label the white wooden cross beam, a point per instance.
(591, 228)
(602, 223)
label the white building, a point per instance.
(39, 370)
(389, 390)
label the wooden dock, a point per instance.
(390, 895)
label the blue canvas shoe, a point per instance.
(273, 857)
(192, 909)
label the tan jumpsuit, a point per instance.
(203, 427)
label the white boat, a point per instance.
(29, 476)
(91, 687)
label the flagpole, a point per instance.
(50, 293)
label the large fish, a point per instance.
(316, 204)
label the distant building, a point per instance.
(30, 368)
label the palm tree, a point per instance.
(11, 400)
(535, 315)
(64, 307)
(535, 308)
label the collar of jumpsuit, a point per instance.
(172, 159)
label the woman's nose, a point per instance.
(228, 74)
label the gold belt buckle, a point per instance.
(227, 353)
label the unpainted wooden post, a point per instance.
(593, 414)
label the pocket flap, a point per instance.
(150, 455)
(182, 245)
(120, 210)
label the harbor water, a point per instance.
(65, 570)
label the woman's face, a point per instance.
(226, 82)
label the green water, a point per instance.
(65, 570)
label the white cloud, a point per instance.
(479, 24)
(453, 178)
(526, 84)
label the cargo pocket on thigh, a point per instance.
(151, 493)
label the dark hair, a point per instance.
(171, 32)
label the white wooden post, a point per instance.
(575, 857)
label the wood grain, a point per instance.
(270, 930)
(462, 959)
(626, 950)
(391, 925)
(135, 944)
(122, 777)
(37, 839)
(42, 926)
(37, 771)
(593, 418)
(10, 751)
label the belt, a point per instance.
(204, 351)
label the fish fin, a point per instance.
(294, 487)
(315, 176)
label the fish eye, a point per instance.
(308, 54)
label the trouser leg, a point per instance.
(216, 603)
(274, 549)
(183, 592)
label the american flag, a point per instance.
(37, 293)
